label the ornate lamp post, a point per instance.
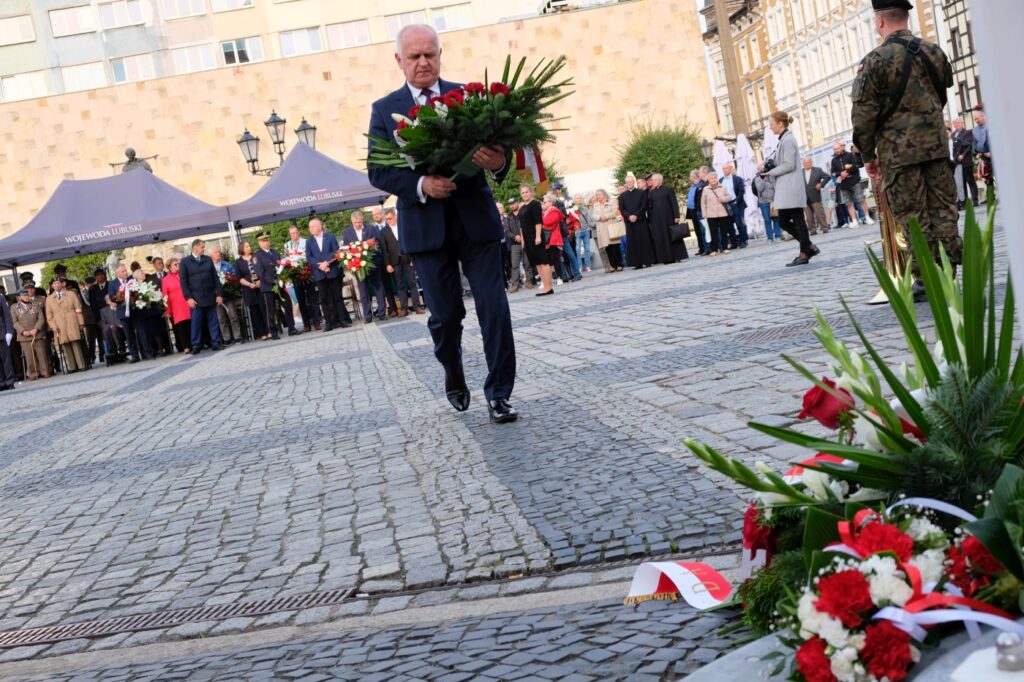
(250, 144)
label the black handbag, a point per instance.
(677, 232)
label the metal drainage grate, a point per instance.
(166, 619)
(781, 333)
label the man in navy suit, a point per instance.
(130, 323)
(443, 225)
(321, 248)
(359, 232)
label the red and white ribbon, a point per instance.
(700, 585)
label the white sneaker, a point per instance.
(869, 221)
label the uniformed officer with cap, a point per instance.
(898, 126)
(30, 327)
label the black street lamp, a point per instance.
(706, 148)
(275, 126)
(306, 133)
(250, 144)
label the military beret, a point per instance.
(26, 275)
(23, 292)
(879, 5)
(99, 271)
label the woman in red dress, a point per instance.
(552, 234)
(177, 308)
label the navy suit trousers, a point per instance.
(442, 287)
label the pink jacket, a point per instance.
(711, 205)
(177, 307)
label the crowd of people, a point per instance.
(74, 326)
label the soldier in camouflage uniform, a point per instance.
(898, 126)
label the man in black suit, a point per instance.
(814, 213)
(360, 232)
(445, 224)
(132, 325)
(200, 285)
(276, 308)
(963, 156)
(96, 300)
(399, 266)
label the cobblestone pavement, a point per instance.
(332, 461)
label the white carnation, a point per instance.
(923, 530)
(814, 622)
(888, 584)
(843, 664)
(930, 564)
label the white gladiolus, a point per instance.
(398, 118)
(866, 434)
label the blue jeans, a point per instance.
(583, 247)
(739, 233)
(622, 248)
(205, 314)
(771, 225)
(574, 260)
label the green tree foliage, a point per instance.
(79, 267)
(670, 149)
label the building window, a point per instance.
(14, 30)
(348, 34)
(84, 76)
(23, 86)
(135, 68)
(228, 5)
(193, 58)
(120, 13)
(72, 20)
(242, 51)
(452, 17)
(954, 42)
(744, 58)
(396, 22)
(176, 9)
(970, 39)
(300, 41)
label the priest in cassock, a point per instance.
(664, 213)
(633, 207)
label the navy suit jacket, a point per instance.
(423, 223)
(314, 256)
(266, 268)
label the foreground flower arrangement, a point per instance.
(441, 136)
(230, 284)
(294, 269)
(873, 548)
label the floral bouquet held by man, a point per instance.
(357, 258)
(442, 136)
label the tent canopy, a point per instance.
(87, 216)
(307, 181)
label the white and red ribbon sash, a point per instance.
(529, 160)
(700, 585)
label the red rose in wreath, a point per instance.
(824, 406)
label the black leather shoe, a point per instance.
(328, 328)
(345, 325)
(798, 261)
(217, 348)
(456, 392)
(815, 251)
(293, 332)
(501, 412)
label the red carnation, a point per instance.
(454, 98)
(824, 406)
(911, 428)
(886, 651)
(435, 100)
(845, 595)
(981, 558)
(499, 88)
(475, 88)
(371, 242)
(812, 662)
(415, 111)
(402, 125)
(881, 537)
(756, 533)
